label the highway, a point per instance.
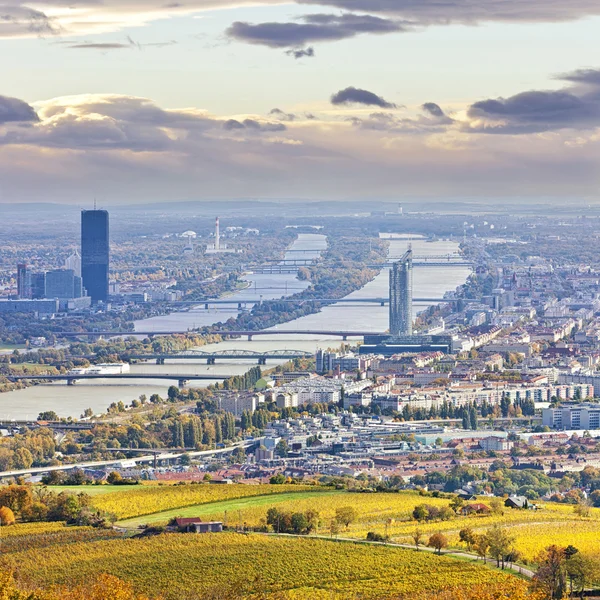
(149, 458)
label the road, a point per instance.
(140, 459)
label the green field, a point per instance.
(90, 490)
(232, 507)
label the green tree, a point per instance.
(346, 515)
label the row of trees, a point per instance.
(29, 503)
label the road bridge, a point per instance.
(237, 333)
(72, 379)
(147, 458)
(241, 302)
(211, 357)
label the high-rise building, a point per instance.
(401, 295)
(23, 281)
(63, 284)
(38, 285)
(95, 253)
(74, 263)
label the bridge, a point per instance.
(237, 333)
(211, 357)
(241, 302)
(72, 379)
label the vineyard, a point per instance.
(29, 536)
(236, 565)
(137, 501)
(390, 514)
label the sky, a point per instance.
(138, 101)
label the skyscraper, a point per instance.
(95, 253)
(23, 281)
(401, 296)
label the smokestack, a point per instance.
(217, 241)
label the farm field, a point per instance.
(136, 501)
(391, 514)
(90, 490)
(230, 511)
(236, 565)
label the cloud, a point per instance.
(282, 115)
(576, 107)
(85, 17)
(311, 28)
(433, 109)
(253, 125)
(17, 20)
(434, 12)
(352, 95)
(13, 110)
(99, 46)
(298, 53)
(130, 149)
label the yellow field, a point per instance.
(237, 565)
(144, 500)
(26, 536)
(391, 514)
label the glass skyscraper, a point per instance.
(401, 296)
(95, 253)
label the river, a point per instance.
(98, 394)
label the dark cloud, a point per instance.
(575, 107)
(352, 95)
(442, 12)
(99, 46)
(252, 124)
(433, 109)
(14, 110)
(301, 52)
(585, 76)
(281, 115)
(313, 28)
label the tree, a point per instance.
(468, 537)
(345, 515)
(282, 449)
(481, 546)
(417, 537)
(22, 458)
(420, 513)
(501, 544)
(299, 523)
(48, 415)
(550, 577)
(334, 528)
(239, 455)
(7, 516)
(581, 571)
(456, 503)
(114, 478)
(438, 541)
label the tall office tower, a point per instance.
(74, 263)
(401, 296)
(23, 281)
(95, 253)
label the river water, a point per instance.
(98, 394)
